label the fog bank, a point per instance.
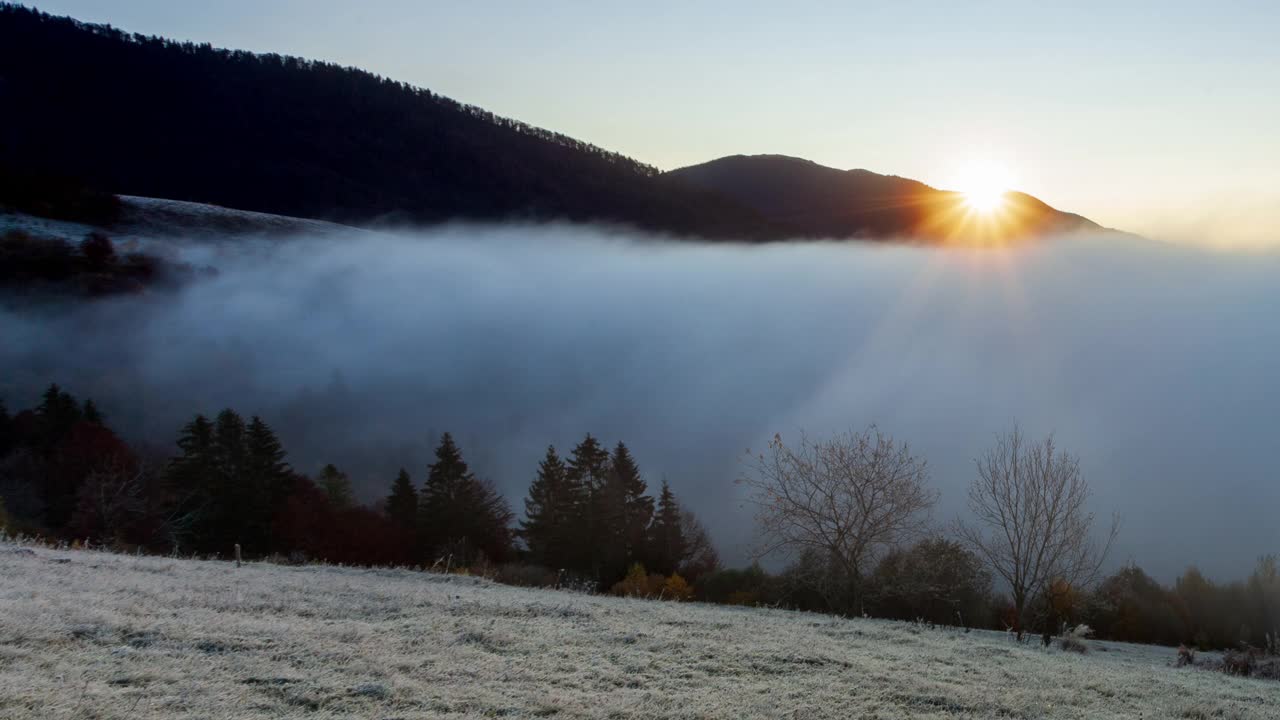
(1156, 365)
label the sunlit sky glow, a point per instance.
(1155, 117)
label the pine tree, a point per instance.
(589, 464)
(265, 458)
(627, 512)
(336, 487)
(7, 440)
(270, 479)
(193, 478)
(668, 546)
(402, 503)
(57, 412)
(439, 503)
(587, 473)
(230, 519)
(551, 510)
(228, 440)
(458, 514)
(91, 413)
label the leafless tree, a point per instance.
(109, 500)
(848, 499)
(700, 556)
(1032, 526)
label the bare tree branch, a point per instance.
(1031, 524)
(848, 498)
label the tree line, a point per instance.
(853, 514)
(34, 266)
(850, 513)
(588, 519)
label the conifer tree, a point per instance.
(627, 513)
(228, 440)
(551, 511)
(57, 412)
(458, 514)
(587, 473)
(668, 546)
(228, 521)
(192, 477)
(336, 487)
(7, 440)
(271, 481)
(402, 503)
(91, 414)
(265, 459)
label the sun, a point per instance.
(984, 186)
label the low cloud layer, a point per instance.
(1156, 365)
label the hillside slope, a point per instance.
(818, 201)
(135, 115)
(148, 116)
(87, 634)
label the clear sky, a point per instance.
(1157, 117)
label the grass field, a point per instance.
(96, 635)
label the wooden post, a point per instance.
(237, 554)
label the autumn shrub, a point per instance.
(675, 588)
(654, 586)
(635, 584)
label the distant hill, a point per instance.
(813, 200)
(135, 115)
(147, 116)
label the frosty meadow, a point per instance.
(98, 635)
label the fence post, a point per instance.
(237, 554)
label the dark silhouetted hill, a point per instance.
(813, 200)
(145, 116)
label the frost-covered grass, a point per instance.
(148, 223)
(96, 635)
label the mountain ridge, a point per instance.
(821, 201)
(145, 116)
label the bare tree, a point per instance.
(110, 501)
(848, 498)
(1032, 526)
(700, 556)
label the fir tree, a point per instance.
(589, 464)
(192, 477)
(228, 441)
(587, 473)
(336, 487)
(402, 503)
(7, 440)
(627, 512)
(270, 479)
(265, 459)
(57, 412)
(668, 546)
(229, 520)
(458, 514)
(551, 511)
(91, 413)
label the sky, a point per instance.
(1153, 117)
